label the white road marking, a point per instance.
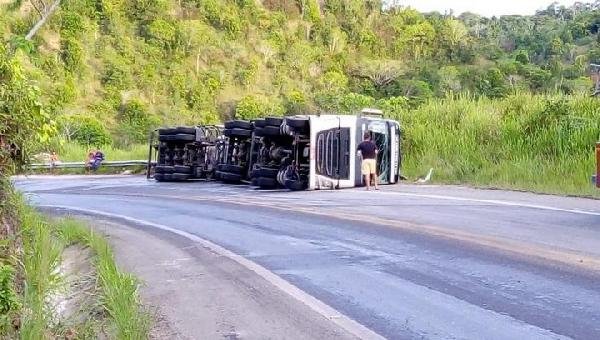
(338, 318)
(496, 202)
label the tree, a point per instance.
(85, 130)
(450, 80)
(254, 106)
(135, 121)
(45, 10)
(24, 125)
(381, 73)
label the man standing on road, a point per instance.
(368, 151)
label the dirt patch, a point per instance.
(78, 313)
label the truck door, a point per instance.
(395, 152)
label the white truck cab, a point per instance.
(334, 162)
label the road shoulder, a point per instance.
(197, 293)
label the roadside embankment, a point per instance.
(59, 279)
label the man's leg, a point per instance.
(368, 181)
(374, 174)
(375, 179)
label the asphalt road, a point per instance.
(408, 262)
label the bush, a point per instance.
(71, 54)
(24, 124)
(145, 10)
(352, 103)
(85, 130)
(222, 16)
(71, 25)
(9, 302)
(296, 103)
(115, 75)
(135, 122)
(251, 107)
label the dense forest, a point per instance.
(131, 65)
(108, 71)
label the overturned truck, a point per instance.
(297, 153)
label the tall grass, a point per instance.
(73, 152)
(540, 143)
(43, 243)
(119, 290)
(41, 259)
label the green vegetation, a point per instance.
(541, 143)
(120, 295)
(74, 152)
(43, 244)
(30, 245)
(109, 71)
(41, 258)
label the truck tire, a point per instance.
(188, 130)
(164, 169)
(183, 137)
(260, 123)
(270, 130)
(296, 185)
(229, 177)
(234, 169)
(167, 131)
(180, 177)
(265, 172)
(297, 123)
(267, 183)
(259, 132)
(238, 124)
(180, 137)
(274, 121)
(182, 169)
(237, 132)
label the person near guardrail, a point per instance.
(89, 161)
(94, 160)
(54, 161)
(368, 151)
(98, 159)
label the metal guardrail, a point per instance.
(81, 165)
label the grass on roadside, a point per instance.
(43, 243)
(120, 294)
(73, 152)
(525, 142)
(41, 258)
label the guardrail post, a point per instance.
(598, 165)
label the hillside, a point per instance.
(137, 64)
(493, 101)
